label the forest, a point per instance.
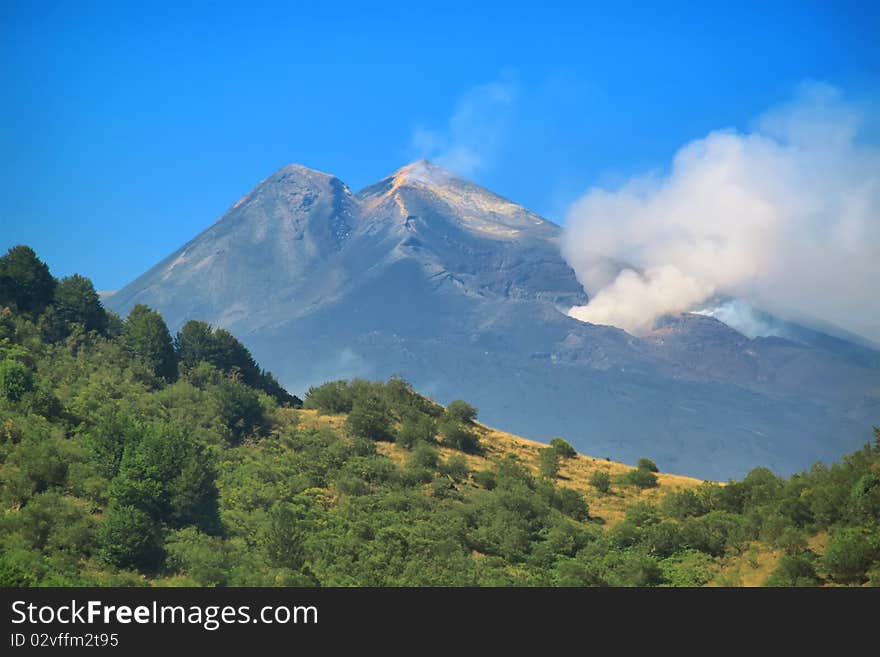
(131, 456)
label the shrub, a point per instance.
(641, 478)
(688, 568)
(793, 570)
(15, 380)
(424, 456)
(571, 503)
(849, 554)
(416, 428)
(485, 479)
(684, 504)
(239, 409)
(563, 448)
(460, 437)
(601, 481)
(130, 539)
(548, 463)
(647, 464)
(369, 418)
(456, 467)
(460, 411)
(331, 397)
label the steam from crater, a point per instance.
(786, 216)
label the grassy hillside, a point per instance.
(128, 456)
(575, 472)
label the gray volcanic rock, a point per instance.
(464, 293)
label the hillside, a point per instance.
(131, 457)
(574, 472)
(465, 294)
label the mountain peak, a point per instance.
(425, 187)
(299, 174)
(424, 172)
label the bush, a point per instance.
(456, 467)
(548, 463)
(641, 478)
(793, 570)
(332, 397)
(571, 503)
(684, 504)
(647, 464)
(461, 438)
(130, 539)
(369, 418)
(601, 481)
(486, 479)
(460, 411)
(239, 409)
(416, 428)
(849, 554)
(15, 380)
(688, 568)
(202, 557)
(424, 456)
(563, 448)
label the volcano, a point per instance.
(464, 293)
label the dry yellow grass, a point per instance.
(749, 569)
(574, 472)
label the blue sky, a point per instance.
(126, 130)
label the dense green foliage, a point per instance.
(25, 282)
(563, 448)
(130, 458)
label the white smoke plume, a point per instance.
(740, 316)
(786, 216)
(474, 131)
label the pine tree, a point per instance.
(146, 334)
(25, 281)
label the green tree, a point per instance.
(548, 463)
(195, 343)
(647, 464)
(146, 334)
(459, 437)
(416, 427)
(333, 397)
(571, 503)
(460, 411)
(563, 448)
(849, 554)
(239, 409)
(793, 570)
(15, 379)
(77, 302)
(369, 418)
(130, 538)
(205, 558)
(25, 281)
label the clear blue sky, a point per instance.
(127, 129)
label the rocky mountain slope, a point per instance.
(464, 293)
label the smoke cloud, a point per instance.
(475, 129)
(786, 216)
